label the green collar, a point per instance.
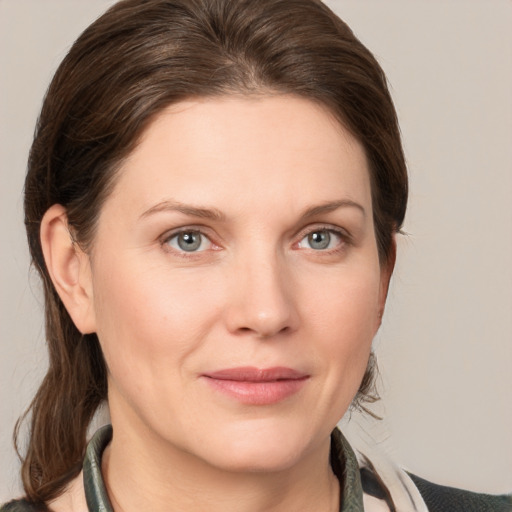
(95, 491)
(343, 461)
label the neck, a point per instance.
(152, 475)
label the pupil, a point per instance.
(319, 239)
(189, 241)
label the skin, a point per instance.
(256, 293)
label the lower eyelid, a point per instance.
(171, 236)
(341, 235)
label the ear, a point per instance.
(386, 272)
(69, 268)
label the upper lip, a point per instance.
(252, 374)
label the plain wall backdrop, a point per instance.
(445, 347)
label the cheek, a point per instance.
(346, 320)
(347, 305)
(345, 348)
(150, 319)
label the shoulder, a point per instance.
(390, 486)
(440, 498)
(22, 506)
(72, 499)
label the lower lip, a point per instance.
(258, 393)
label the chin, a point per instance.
(256, 459)
(259, 448)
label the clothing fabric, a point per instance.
(363, 488)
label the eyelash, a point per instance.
(165, 241)
(345, 239)
(344, 236)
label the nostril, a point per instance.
(261, 306)
(263, 332)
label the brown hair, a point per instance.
(135, 60)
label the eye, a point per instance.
(321, 240)
(189, 241)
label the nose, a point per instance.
(262, 301)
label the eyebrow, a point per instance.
(332, 206)
(186, 209)
(217, 215)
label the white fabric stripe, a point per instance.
(403, 492)
(372, 504)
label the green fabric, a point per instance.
(440, 498)
(22, 506)
(346, 468)
(95, 491)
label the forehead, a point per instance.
(237, 150)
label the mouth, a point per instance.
(255, 386)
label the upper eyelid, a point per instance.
(203, 230)
(324, 226)
(346, 239)
(164, 242)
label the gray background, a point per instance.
(445, 349)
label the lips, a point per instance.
(255, 386)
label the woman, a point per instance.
(212, 200)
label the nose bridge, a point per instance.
(262, 299)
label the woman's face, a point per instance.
(236, 281)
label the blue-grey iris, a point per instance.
(189, 241)
(319, 239)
